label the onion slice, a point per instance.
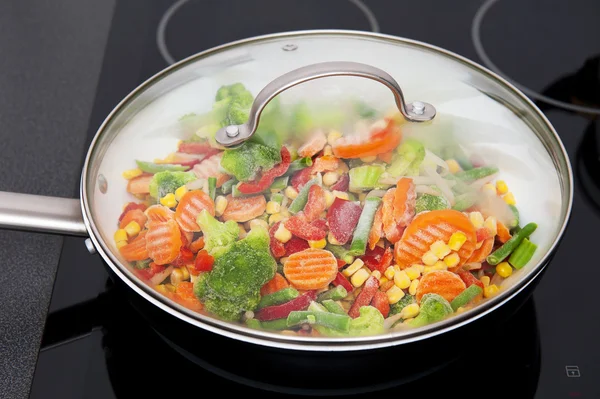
(423, 189)
(441, 183)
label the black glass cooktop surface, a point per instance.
(101, 343)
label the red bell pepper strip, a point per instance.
(299, 227)
(343, 217)
(372, 257)
(294, 245)
(277, 247)
(364, 298)
(301, 178)
(340, 279)
(315, 203)
(386, 260)
(185, 257)
(197, 148)
(204, 261)
(320, 224)
(381, 302)
(342, 183)
(341, 263)
(280, 311)
(260, 185)
(469, 279)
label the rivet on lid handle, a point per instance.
(417, 111)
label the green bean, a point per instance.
(336, 294)
(466, 296)
(365, 222)
(300, 201)
(298, 164)
(212, 187)
(228, 186)
(340, 252)
(522, 254)
(277, 324)
(331, 320)
(509, 246)
(476, 173)
(333, 307)
(316, 307)
(278, 297)
(279, 183)
(253, 323)
(150, 167)
(514, 222)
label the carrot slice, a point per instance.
(243, 209)
(429, 227)
(378, 142)
(163, 242)
(503, 232)
(197, 244)
(480, 254)
(310, 269)
(441, 282)
(377, 229)
(325, 163)
(184, 295)
(136, 215)
(190, 206)
(391, 229)
(405, 199)
(159, 214)
(136, 249)
(277, 283)
(314, 144)
(140, 184)
(211, 167)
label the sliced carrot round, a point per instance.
(159, 214)
(482, 252)
(163, 242)
(429, 227)
(391, 229)
(378, 142)
(243, 209)
(136, 249)
(405, 199)
(503, 232)
(135, 215)
(190, 206)
(325, 163)
(311, 269)
(314, 144)
(376, 229)
(277, 283)
(441, 282)
(140, 184)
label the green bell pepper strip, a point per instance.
(509, 246)
(336, 294)
(298, 164)
(277, 197)
(522, 254)
(331, 320)
(212, 187)
(333, 307)
(466, 296)
(300, 201)
(476, 173)
(279, 184)
(278, 297)
(365, 222)
(151, 167)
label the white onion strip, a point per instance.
(422, 189)
(431, 157)
(441, 183)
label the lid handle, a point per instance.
(416, 111)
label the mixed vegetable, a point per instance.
(307, 230)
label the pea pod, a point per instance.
(509, 246)
(300, 201)
(365, 222)
(151, 167)
(278, 297)
(476, 173)
(522, 255)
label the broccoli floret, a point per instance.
(401, 304)
(166, 182)
(370, 322)
(216, 234)
(239, 271)
(245, 161)
(433, 308)
(408, 158)
(428, 202)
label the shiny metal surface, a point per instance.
(233, 135)
(41, 214)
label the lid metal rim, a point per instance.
(312, 343)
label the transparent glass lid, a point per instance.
(345, 134)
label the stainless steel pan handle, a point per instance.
(233, 135)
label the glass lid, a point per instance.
(391, 189)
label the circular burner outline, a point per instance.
(479, 49)
(161, 42)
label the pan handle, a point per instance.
(41, 214)
(233, 135)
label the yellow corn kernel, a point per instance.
(477, 219)
(460, 310)
(413, 272)
(276, 217)
(509, 198)
(160, 288)
(489, 189)
(485, 280)
(283, 260)
(170, 287)
(120, 235)
(383, 280)
(381, 243)
(220, 205)
(389, 272)
(121, 244)
(440, 249)
(273, 207)
(133, 228)
(282, 234)
(410, 311)
(258, 223)
(330, 178)
(376, 274)
(456, 241)
(331, 239)
(490, 225)
(353, 268)
(452, 259)
(439, 265)
(429, 258)
(362, 197)
(369, 159)
(453, 166)
(333, 136)
(490, 291)
(177, 275)
(394, 294)
(504, 269)
(412, 290)
(341, 194)
(327, 150)
(131, 173)
(169, 200)
(243, 232)
(319, 244)
(359, 277)
(501, 187)
(329, 198)
(401, 279)
(180, 192)
(290, 192)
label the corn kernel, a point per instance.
(168, 200)
(333, 136)
(120, 235)
(177, 275)
(429, 258)
(383, 280)
(489, 189)
(401, 279)
(243, 232)
(376, 274)
(509, 198)
(485, 280)
(440, 249)
(504, 269)
(410, 311)
(276, 217)
(359, 277)
(319, 244)
(341, 195)
(501, 187)
(121, 244)
(283, 260)
(476, 219)
(133, 228)
(490, 291)
(381, 243)
(394, 294)
(369, 159)
(491, 225)
(330, 178)
(273, 207)
(329, 198)
(170, 287)
(131, 173)
(282, 234)
(220, 205)
(452, 260)
(258, 223)
(180, 192)
(362, 197)
(456, 241)
(290, 192)
(389, 272)
(328, 151)
(353, 268)
(460, 310)
(439, 265)
(413, 272)
(453, 166)
(412, 290)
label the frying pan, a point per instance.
(493, 117)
